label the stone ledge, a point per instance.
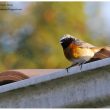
(77, 88)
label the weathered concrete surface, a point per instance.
(47, 75)
(85, 89)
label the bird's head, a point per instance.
(66, 40)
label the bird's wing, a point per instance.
(100, 52)
(104, 52)
(84, 44)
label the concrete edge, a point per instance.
(62, 73)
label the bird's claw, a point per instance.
(67, 69)
(70, 67)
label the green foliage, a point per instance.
(49, 22)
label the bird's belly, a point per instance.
(83, 55)
(78, 55)
(87, 53)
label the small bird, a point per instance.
(79, 52)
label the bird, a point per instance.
(79, 52)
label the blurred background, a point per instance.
(29, 38)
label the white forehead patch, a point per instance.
(66, 36)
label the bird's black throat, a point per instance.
(66, 42)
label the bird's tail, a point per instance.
(100, 53)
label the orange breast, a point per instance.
(75, 50)
(72, 52)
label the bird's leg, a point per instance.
(71, 66)
(82, 64)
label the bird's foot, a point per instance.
(81, 64)
(67, 70)
(70, 66)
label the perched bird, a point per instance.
(80, 52)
